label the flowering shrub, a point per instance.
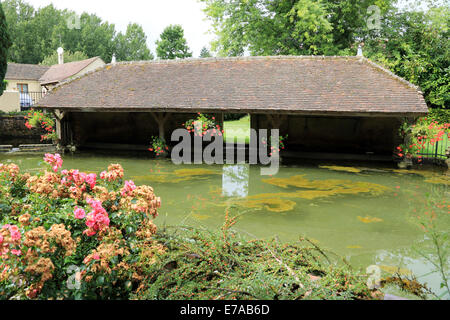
(69, 235)
(158, 146)
(45, 121)
(418, 136)
(274, 151)
(201, 125)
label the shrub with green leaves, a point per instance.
(68, 235)
(205, 265)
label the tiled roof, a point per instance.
(60, 72)
(18, 71)
(285, 84)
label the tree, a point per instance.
(172, 44)
(411, 41)
(37, 34)
(68, 57)
(204, 53)
(132, 46)
(414, 45)
(4, 46)
(281, 27)
(18, 17)
(97, 37)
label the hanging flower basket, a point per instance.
(159, 147)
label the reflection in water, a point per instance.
(419, 261)
(235, 180)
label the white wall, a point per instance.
(10, 101)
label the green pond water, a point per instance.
(365, 212)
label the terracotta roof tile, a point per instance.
(253, 84)
(19, 71)
(60, 72)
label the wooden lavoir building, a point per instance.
(340, 105)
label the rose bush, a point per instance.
(74, 235)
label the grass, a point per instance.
(237, 130)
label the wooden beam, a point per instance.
(325, 113)
(276, 120)
(59, 114)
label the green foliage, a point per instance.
(37, 33)
(414, 45)
(204, 265)
(420, 136)
(205, 53)
(158, 146)
(132, 46)
(48, 250)
(97, 37)
(172, 44)
(4, 46)
(202, 124)
(234, 116)
(13, 113)
(298, 27)
(430, 215)
(46, 121)
(411, 42)
(439, 115)
(68, 57)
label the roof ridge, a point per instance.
(28, 64)
(238, 58)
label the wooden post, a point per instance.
(59, 117)
(161, 119)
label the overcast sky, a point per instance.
(153, 15)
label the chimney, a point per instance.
(60, 55)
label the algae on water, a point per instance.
(180, 175)
(308, 190)
(344, 169)
(369, 219)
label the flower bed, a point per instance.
(73, 235)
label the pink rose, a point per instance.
(79, 213)
(128, 188)
(54, 160)
(91, 179)
(16, 252)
